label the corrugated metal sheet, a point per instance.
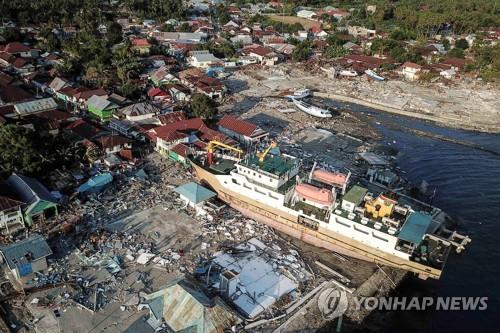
(38, 105)
(185, 308)
(26, 251)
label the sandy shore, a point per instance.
(468, 105)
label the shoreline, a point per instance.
(442, 121)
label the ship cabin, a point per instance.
(316, 197)
(276, 172)
(392, 225)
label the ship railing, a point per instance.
(454, 239)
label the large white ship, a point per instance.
(322, 208)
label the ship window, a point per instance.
(360, 230)
(272, 196)
(234, 181)
(343, 223)
(258, 191)
(379, 238)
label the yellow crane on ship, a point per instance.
(262, 155)
(214, 143)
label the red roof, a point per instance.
(368, 60)
(412, 65)
(89, 93)
(209, 134)
(8, 203)
(19, 62)
(237, 125)
(110, 141)
(12, 94)
(83, 129)
(140, 42)
(200, 144)
(259, 50)
(7, 109)
(180, 149)
(16, 47)
(126, 154)
(455, 62)
(172, 117)
(5, 79)
(153, 92)
(171, 131)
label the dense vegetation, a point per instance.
(31, 153)
(67, 12)
(203, 106)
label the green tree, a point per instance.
(462, 44)
(185, 27)
(18, 151)
(114, 33)
(31, 153)
(456, 53)
(203, 106)
(335, 51)
(446, 44)
(167, 28)
(301, 51)
(129, 89)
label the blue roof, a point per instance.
(195, 192)
(29, 189)
(96, 183)
(415, 227)
(26, 251)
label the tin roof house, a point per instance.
(39, 203)
(23, 259)
(101, 107)
(182, 307)
(241, 130)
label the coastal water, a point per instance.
(467, 182)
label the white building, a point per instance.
(307, 14)
(195, 196)
(202, 59)
(11, 215)
(410, 70)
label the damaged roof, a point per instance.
(195, 192)
(185, 308)
(29, 189)
(26, 251)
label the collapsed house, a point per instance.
(22, 260)
(254, 276)
(182, 307)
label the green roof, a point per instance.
(195, 192)
(355, 194)
(415, 227)
(275, 164)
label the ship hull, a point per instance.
(288, 224)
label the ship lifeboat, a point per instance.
(330, 178)
(312, 193)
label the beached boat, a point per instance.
(311, 109)
(300, 94)
(319, 207)
(348, 72)
(374, 75)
